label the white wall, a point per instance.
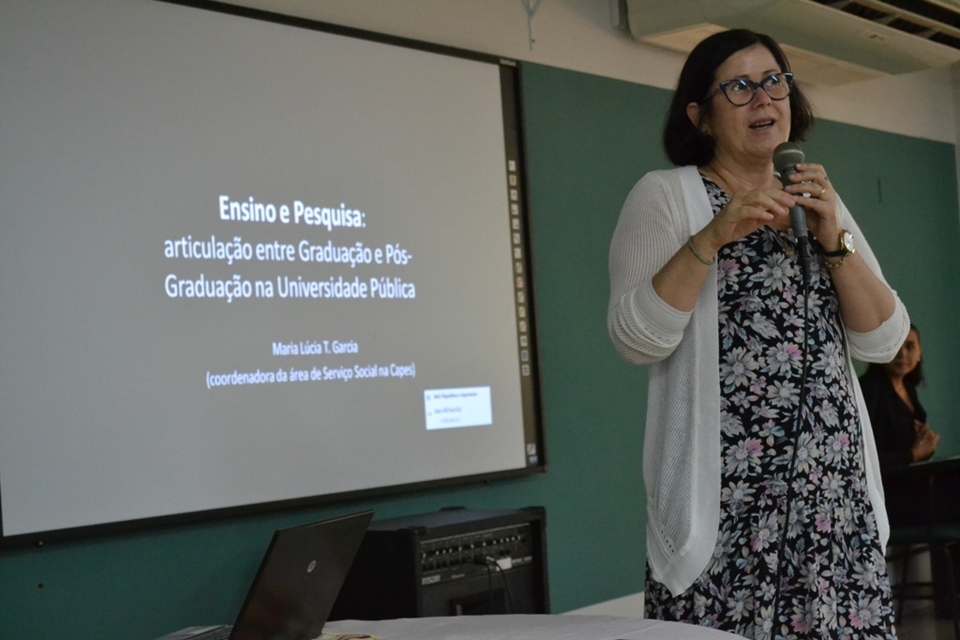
(579, 35)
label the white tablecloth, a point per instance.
(526, 627)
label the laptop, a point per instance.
(296, 585)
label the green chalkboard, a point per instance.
(903, 193)
(588, 139)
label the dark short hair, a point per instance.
(915, 377)
(686, 144)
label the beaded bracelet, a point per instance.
(834, 265)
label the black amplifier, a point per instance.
(450, 562)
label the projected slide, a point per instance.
(244, 262)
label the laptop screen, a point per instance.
(299, 579)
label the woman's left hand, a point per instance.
(813, 191)
(925, 441)
(866, 301)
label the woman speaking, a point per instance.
(765, 508)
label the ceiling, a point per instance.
(829, 42)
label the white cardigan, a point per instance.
(681, 456)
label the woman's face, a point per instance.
(748, 133)
(907, 358)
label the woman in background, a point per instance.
(899, 420)
(903, 437)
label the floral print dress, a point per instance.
(828, 578)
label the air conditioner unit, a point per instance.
(829, 42)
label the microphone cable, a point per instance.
(491, 563)
(797, 431)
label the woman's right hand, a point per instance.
(746, 212)
(678, 282)
(924, 443)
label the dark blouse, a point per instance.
(891, 418)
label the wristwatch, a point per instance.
(847, 247)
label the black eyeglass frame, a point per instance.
(722, 87)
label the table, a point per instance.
(527, 627)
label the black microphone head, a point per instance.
(786, 155)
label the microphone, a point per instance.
(786, 157)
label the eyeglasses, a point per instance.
(741, 92)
